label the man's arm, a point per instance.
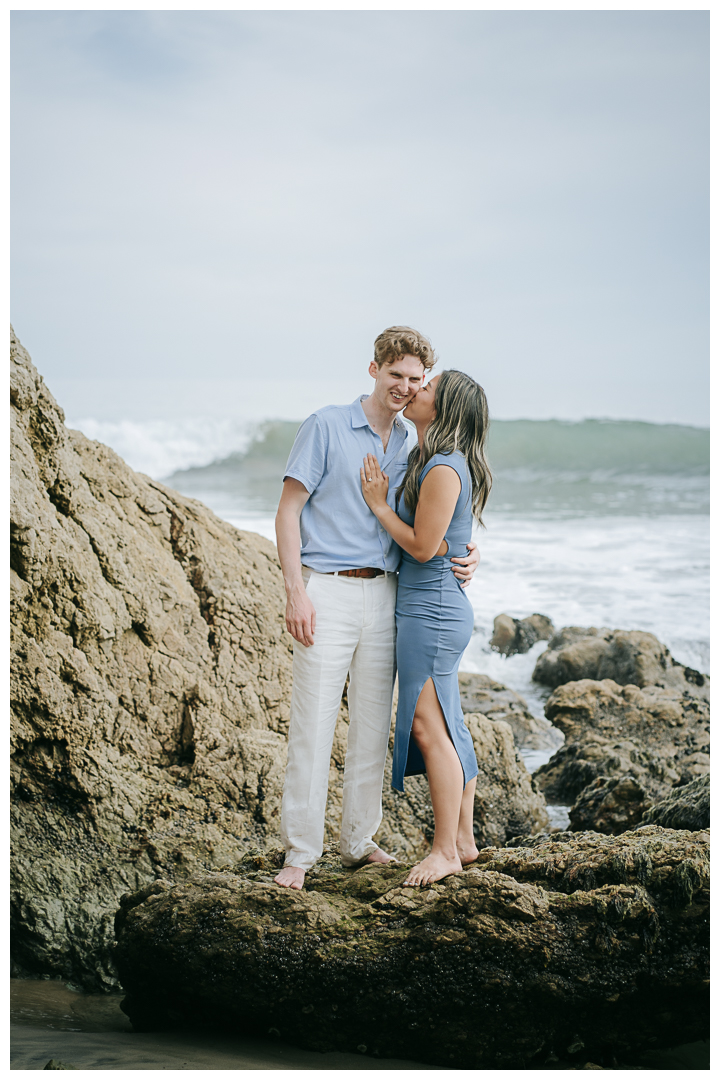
(299, 612)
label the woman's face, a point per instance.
(421, 409)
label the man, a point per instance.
(339, 567)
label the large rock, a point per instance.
(150, 684)
(625, 656)
(674, 724)
(511, 635)
(481, 694)
(626, 748)
(151, 676)
(585, 946)
(687, 807)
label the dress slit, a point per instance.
(414, 753)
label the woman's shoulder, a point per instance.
(455, 460)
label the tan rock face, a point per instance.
(151, 677)
(151, 681)
(670, 722)
(511, 635)
(625, 656)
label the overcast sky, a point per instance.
(218, 211)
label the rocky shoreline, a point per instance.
(150, 691)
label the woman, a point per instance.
(446, 483)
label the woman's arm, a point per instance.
(436, 505)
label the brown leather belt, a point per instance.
(364, 571)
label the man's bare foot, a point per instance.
(292, 877)
(380, 856)
(467, 853)
(433, 868)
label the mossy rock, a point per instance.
(580, 939)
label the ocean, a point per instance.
(594, 523)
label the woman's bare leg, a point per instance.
(466, 847)
(445, 777)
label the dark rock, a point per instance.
(625, 656)
(609, 805)
(512, 635)
(586, 941)
(53, 1063)
(577, 764)
(481, 694)
(686, 807)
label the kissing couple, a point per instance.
(373, 545)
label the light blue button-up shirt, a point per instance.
(337, 528)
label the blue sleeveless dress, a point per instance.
(434, 623)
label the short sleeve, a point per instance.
(308, 457)
(446, 459)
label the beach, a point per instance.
(149, 636)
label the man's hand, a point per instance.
(300, 616)
(465, 567)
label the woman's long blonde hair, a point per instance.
(461, 423)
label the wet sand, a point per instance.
(89, 1031)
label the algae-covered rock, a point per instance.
(609, 805)
(577, 764)
(625, 656)
(686, 807)
(586, 941)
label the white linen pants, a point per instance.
(355, 634)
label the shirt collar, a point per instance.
(359, 419)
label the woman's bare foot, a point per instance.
(292, 877)
(467, 853)
(433, 868)
(380, 856)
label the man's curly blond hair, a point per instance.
(399, 341)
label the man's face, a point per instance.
(397, 382)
